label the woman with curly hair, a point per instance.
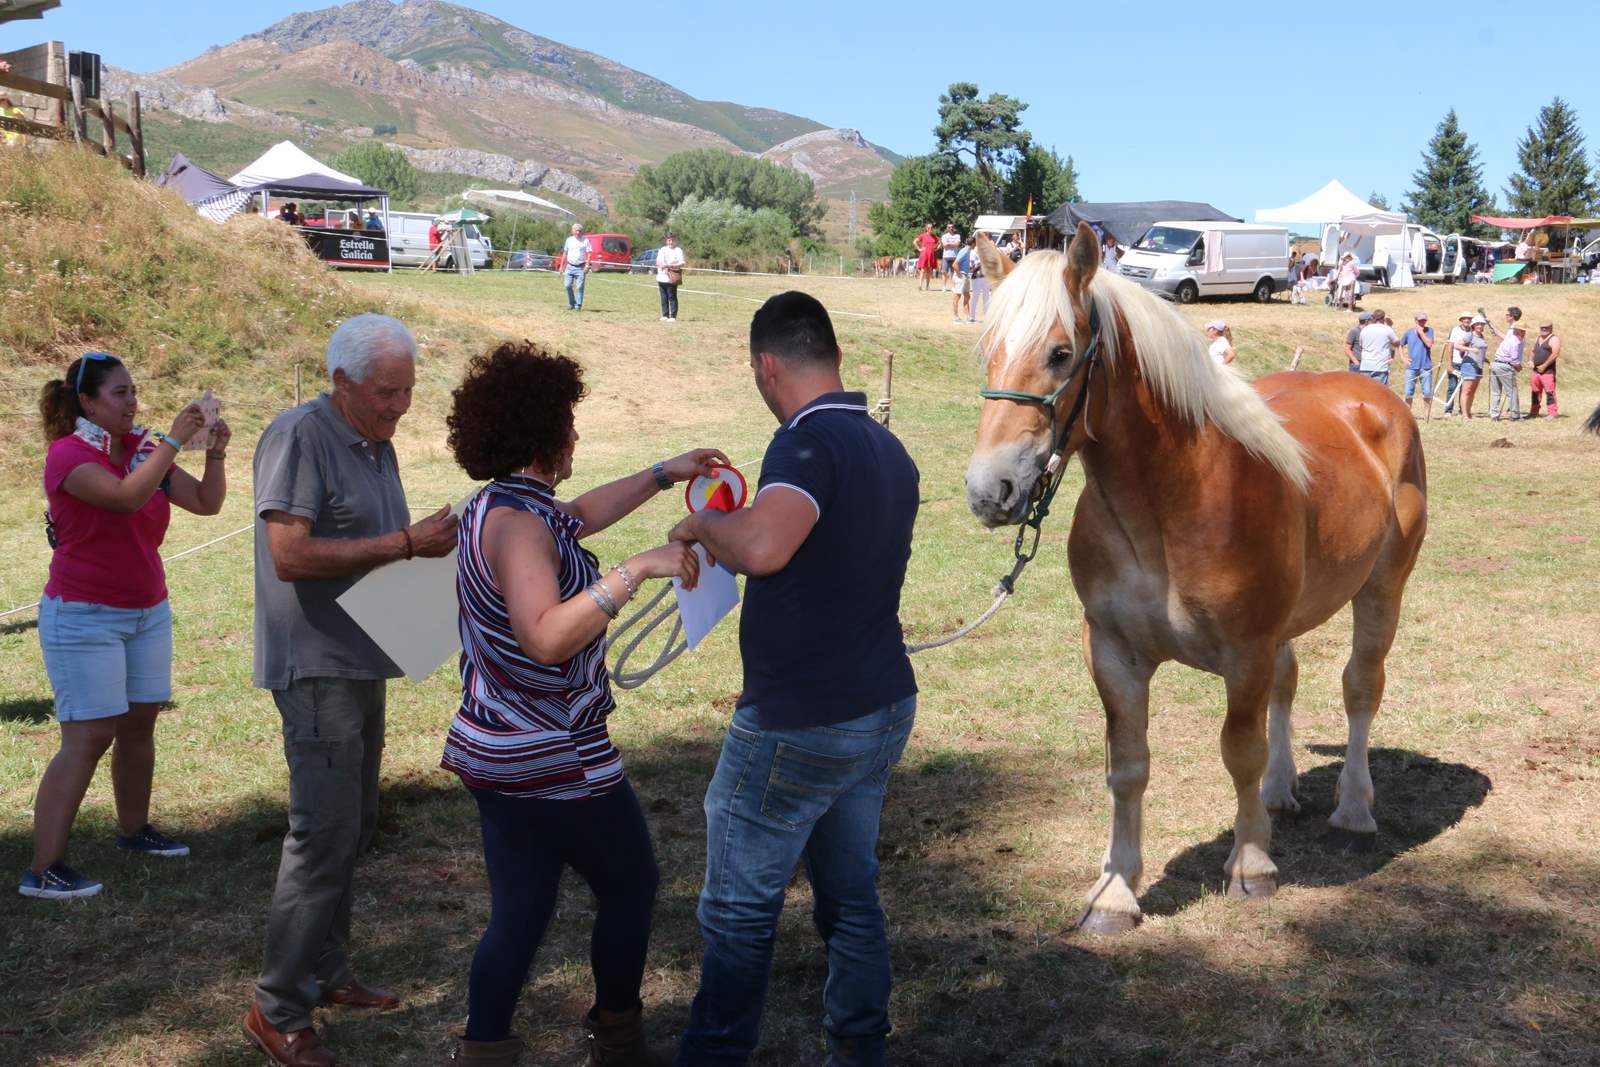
(529, 740)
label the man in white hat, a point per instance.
(1460, 336)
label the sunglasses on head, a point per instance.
(83, 365)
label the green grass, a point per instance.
(1469, 937)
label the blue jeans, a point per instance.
(1419, 374)
(777, 797)
(1377, 375)
(575, 279)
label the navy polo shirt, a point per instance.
(821, 639)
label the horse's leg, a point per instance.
(1249, 870)
(1123, 678)
(1377, 614)
(1278, 788)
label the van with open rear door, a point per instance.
(1189, 260)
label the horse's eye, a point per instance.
(1059, 356)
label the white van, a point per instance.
(1188, 260)
(408, 240)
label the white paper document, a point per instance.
(409, 609)
(708, 602)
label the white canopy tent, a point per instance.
(1000, 224)
(283, 161)
(1331, 203)
(516, 200)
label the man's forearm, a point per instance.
(727, 538)
(332, 557)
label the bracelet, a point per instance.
(410, 548)
(216, 455)
(659, 472)
(602, 599)
(627, 579)
(174, 442)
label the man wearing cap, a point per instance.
(1419, 362)
(1378, 343)
(1503, 375)
(1542, 376)
(1352, 341)
(1460, 338)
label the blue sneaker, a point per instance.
(58, 882)
(152, 842)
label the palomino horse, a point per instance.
(1217, 523)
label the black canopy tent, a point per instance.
(1127, 220)
(343, 248)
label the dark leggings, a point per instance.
(669, 300)
(526, 843)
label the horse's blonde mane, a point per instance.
(1172, 354)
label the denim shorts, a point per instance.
(1377, 375)
(100, 659)
(1470, 371)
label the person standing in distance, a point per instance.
(1419, 362)
(670, 262)
(576, 252)
(805, 763)
(329, 508)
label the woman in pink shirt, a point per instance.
(104, 623)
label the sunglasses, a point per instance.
(83, 365)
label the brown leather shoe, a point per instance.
(356, 995)
(298, 1048)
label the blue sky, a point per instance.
(1246, 105)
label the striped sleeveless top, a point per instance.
(527, 729)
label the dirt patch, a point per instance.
(1549, 699)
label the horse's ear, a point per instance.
(995, 266)
(1083, 259)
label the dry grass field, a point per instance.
(1470, 937)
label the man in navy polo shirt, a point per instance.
(829, 697)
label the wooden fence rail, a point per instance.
(74, 125)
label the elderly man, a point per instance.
(806, 760)
(576, 251)
(329, 508)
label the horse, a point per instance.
(1218, 522)
(881, 265)
(1592, 424)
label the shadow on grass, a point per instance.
(1418, 798)
(35, 711)
(21, 626)
(1436, 963)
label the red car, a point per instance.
(610, 251)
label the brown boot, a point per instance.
(487, 1053)
(616, 1039)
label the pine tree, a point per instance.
(1555, 178)
(1379, 201)
(1449, 187)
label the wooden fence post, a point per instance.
(108, 129)
(80, 127)
(58, 76)
(136, 132)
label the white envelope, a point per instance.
(702, 607)
(409, 609)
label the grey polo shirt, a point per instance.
(313, 464)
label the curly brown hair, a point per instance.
(513, 409)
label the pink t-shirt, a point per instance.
(103, 557)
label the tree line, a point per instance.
(1553, 175)
(984, 161)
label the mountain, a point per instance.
(437, 77)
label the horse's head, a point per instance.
(1037, 344)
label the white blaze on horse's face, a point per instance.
(1014, 437)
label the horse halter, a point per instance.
(1059, 435)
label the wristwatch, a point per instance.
(659, 472)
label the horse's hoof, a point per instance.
(1108, 923)
(1281, 811)
(1350, 842)
(1251, 888)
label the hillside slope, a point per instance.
(435, 76)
